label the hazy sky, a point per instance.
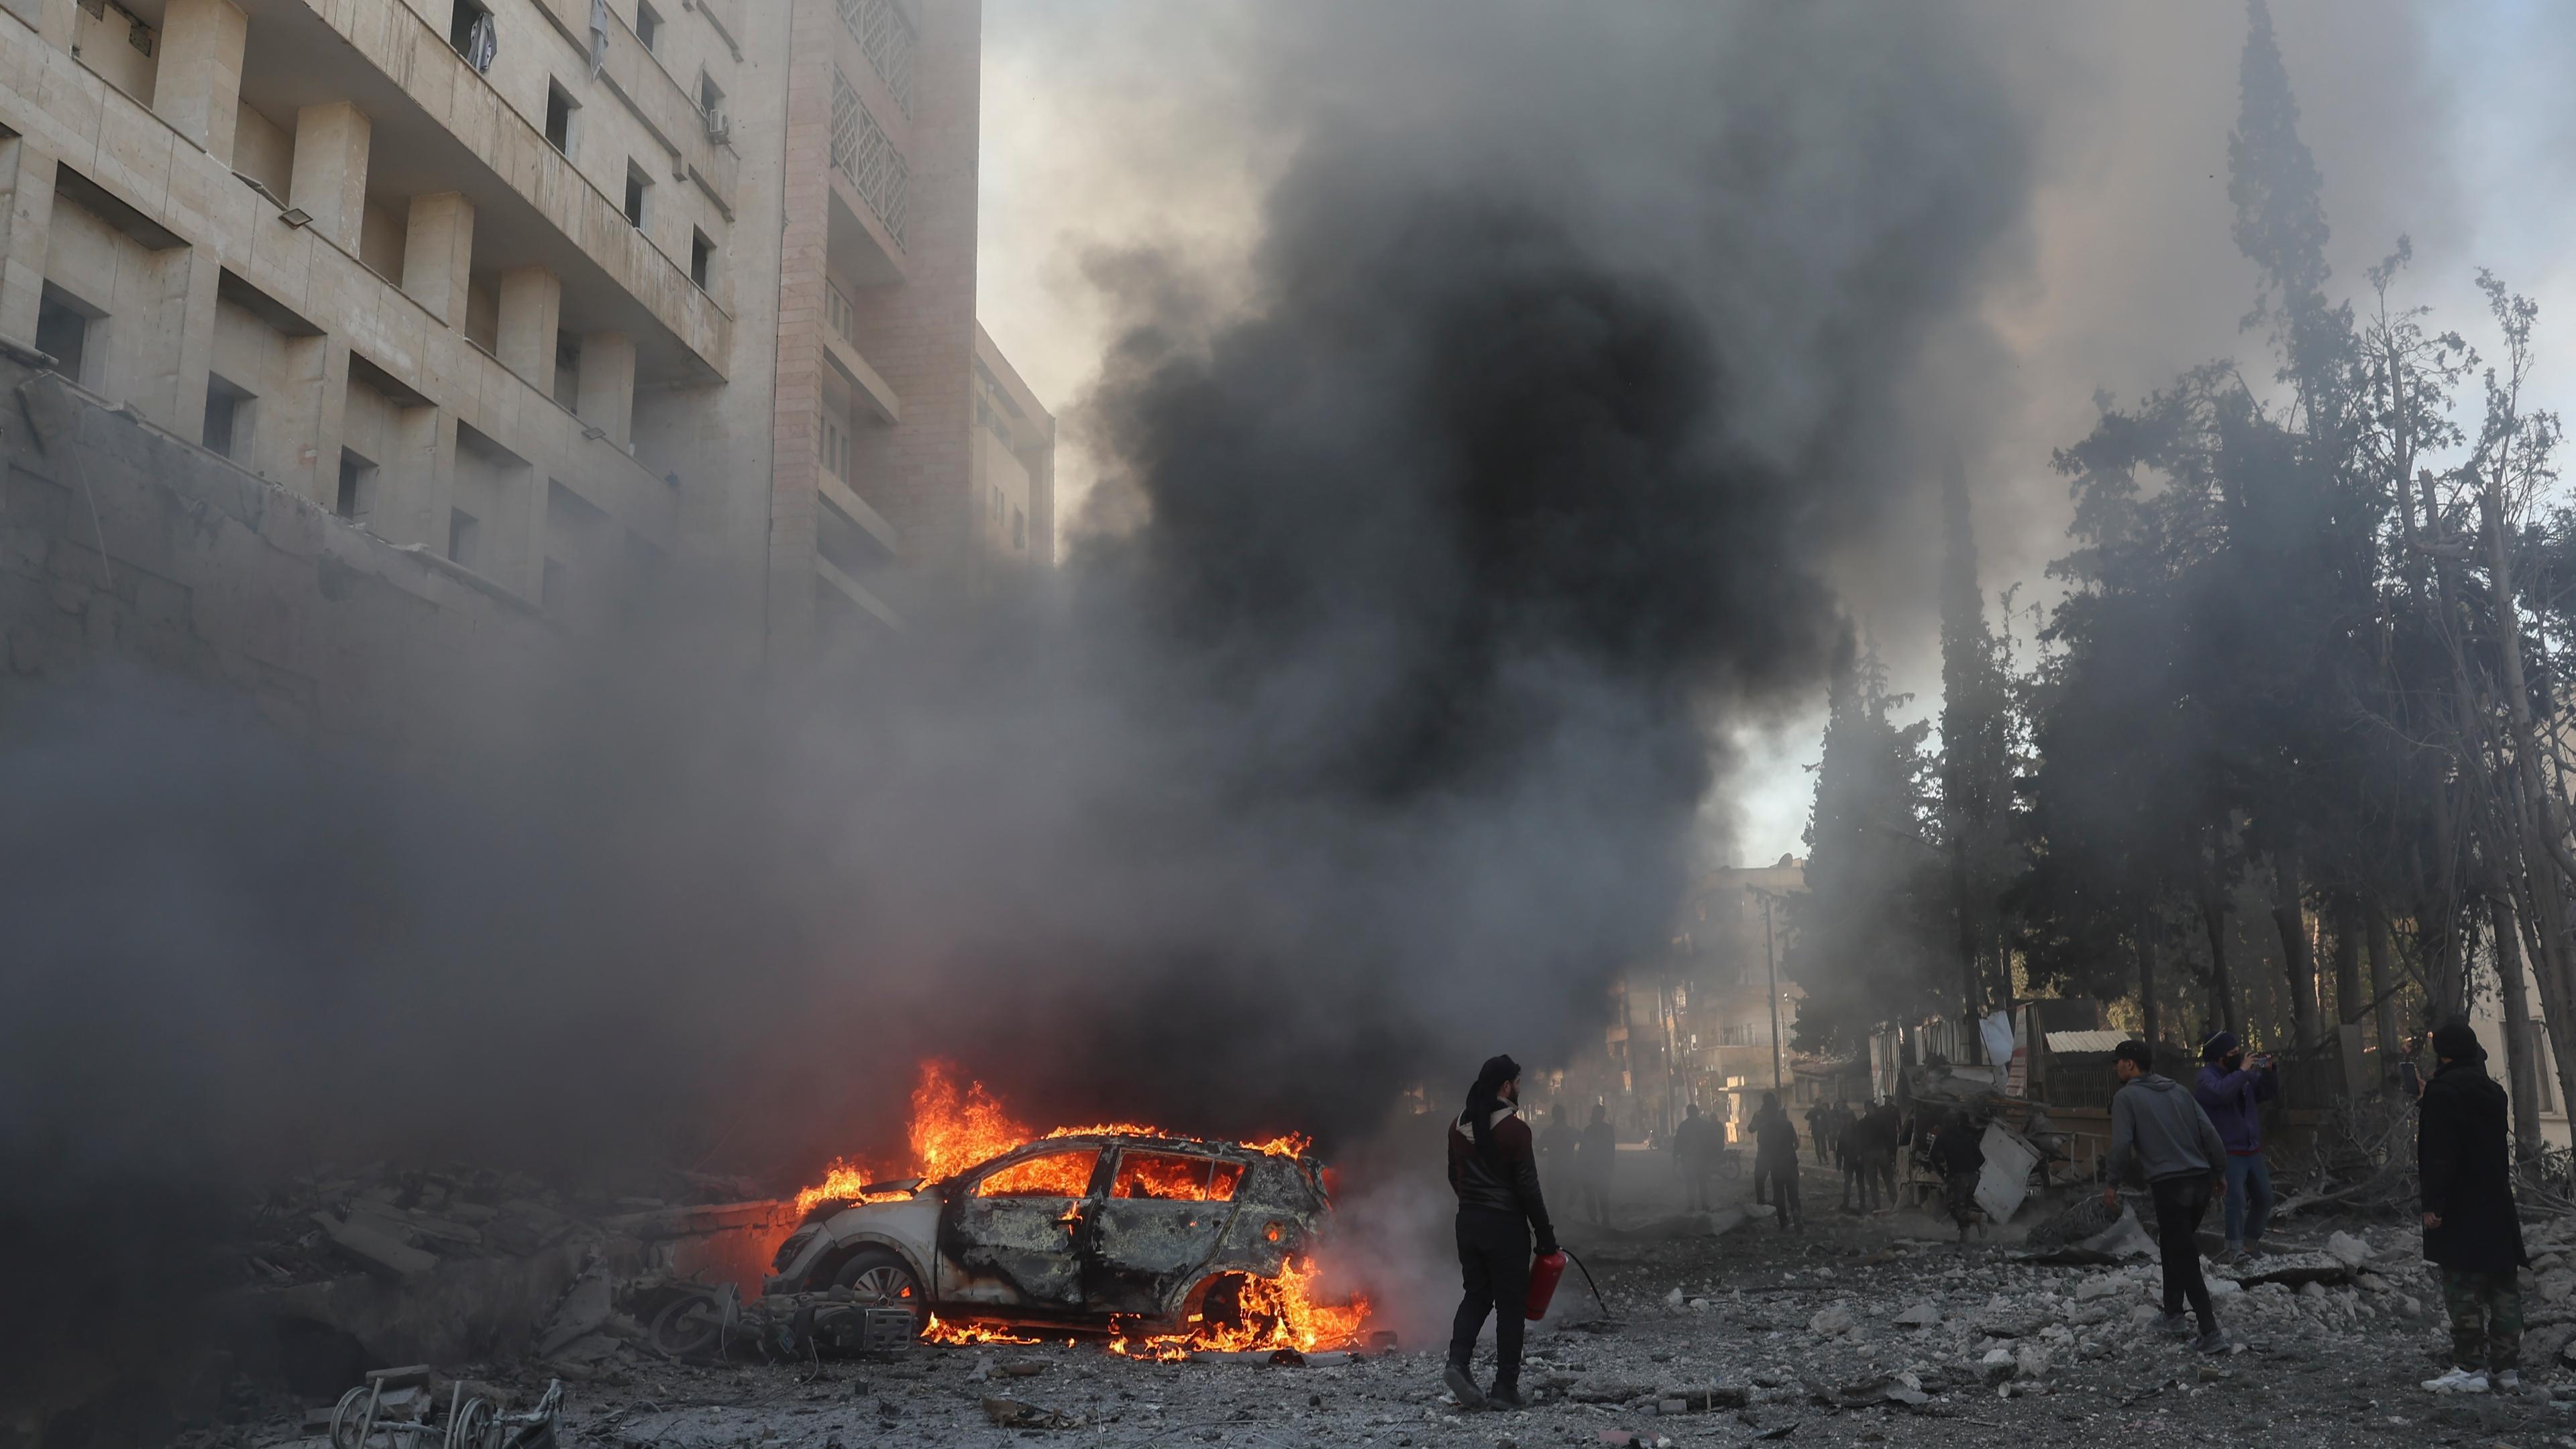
(1117, 122)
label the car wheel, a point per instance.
(879, 1278)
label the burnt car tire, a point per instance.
(879, 1278)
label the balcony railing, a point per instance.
(863, 153)
(885, 37)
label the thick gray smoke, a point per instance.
(1360, 737)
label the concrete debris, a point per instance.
(1833, 1320)
(2348, 1250)
(1921, 1315)
(2290, 1270)
(1018, 1414)
(375, 1250)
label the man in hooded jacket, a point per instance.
(1493, 1167)
(2471, 1229)
(2159, 1134)
(2232, 1090)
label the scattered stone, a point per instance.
(1020, 1414)
(1830, 1321)
(2348, 1250)
(373, 1251)
(1921, 1315)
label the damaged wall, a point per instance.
(214, 576)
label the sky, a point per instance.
(1116, 123)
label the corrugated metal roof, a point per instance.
(2085, 1041)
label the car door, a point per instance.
(1017, 1229)
(1165, 1212)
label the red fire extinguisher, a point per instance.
(1542, 1283)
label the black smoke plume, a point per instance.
(1362, 734)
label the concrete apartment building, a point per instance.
(561, 293)
(1694, 1023)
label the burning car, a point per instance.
(1135, 1231)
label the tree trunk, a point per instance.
(2147, 978)
(2383, 989)
(2443, 997)
(2289, 917)
(2539, 814)
(2222, 992)
(2349, 997)
(2521, 1061)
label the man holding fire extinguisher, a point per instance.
(1493, 1167)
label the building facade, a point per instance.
(1695, 1023)
(574, 296)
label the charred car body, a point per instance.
(1067, 1231)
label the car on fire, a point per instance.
(1068, 1231)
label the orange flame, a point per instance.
(956, 1127)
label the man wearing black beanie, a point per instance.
(2471, 1230)
(1493, 1168)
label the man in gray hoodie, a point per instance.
(2161, 1135)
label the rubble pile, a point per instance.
(476, 1266)
(1861, 1330)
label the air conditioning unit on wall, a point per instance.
(719, 125)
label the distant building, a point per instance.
(1695, 1022)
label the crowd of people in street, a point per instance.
(2175, 1151)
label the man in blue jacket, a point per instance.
(2232, 1090)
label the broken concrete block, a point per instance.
(1998, 1363)
(1832, 1320)
(375, 1252)
(1921, 1315)
(2103, 1287)
(2556, 1284)
(1018, 1414)
(2030, 1363)
(2348, 1250)
(584, 1310)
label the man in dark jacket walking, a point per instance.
(2160, 1136)
(1493, 1167)
(2232, 1090)
(2471, 1230)
(1777, 1157)
(1958, 1153)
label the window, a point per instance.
(648, 27)
(227, 429)
(710, 95)
(702, 258)
(841, 312)
(1175, 1176)
(357, 496)
(469, 29)
(1019, 529)
(559, 109)
(839, 456)
(464, 544)
(567, 368)
(62, 332)
(1052, 1174)
(637, 183)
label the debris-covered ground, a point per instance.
(1859, 1330)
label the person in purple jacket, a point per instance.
(2231, 1090)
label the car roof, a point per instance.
(1077, 1140)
